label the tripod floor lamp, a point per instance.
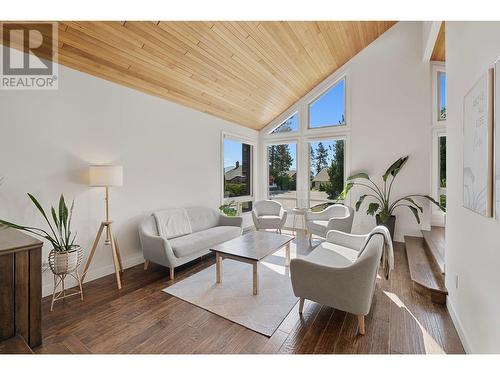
(106, 176)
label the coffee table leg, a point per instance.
(218, 267)
(287, 254)
(255, 279)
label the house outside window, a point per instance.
(237, 176)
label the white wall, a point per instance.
(472, 241)
(389, 116)
(170, 153)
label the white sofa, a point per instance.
(205, 228)
(336, 274)
(268, 214)
(334, 217)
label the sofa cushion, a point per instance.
(318, 225)
(329, 254)
(202, 218)
(203, 240)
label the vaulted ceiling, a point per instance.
(438, 53)
(245, 72)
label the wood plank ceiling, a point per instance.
(245, 72)
(439, 51)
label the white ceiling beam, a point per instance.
(430, 32)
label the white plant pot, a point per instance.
(65, 262)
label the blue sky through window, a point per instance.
(329, 108)
(232, 152)
(442, 94)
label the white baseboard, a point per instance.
(95, 273)
(458, 326)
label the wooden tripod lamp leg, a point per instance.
(118, 253)
(115, 259)
(94, 247)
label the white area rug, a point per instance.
(233, 299)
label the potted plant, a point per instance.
(65, 256)
(381, 204)
(229, 209)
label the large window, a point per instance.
(282, 174)
(326, 172)
(329, 108)
(441, 96)
(238, 173)
(291, 124)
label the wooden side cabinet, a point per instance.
(20, 286)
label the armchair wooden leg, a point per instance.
(171, 273)
(146, 264)
(301, 305)
(361, 324)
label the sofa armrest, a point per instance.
(352, 241)
(156, 249)
(232, 221)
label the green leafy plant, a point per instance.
(60, 235)
(382, 203)
(228, 209)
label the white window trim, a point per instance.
(254, 170)
(438, 217)
(336, 137)
(290, 114)
(276, 142)
(318, 95)
(302, 108)
(436, 67)
(306, 135)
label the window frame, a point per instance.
(296, 112)
(336, 137)
(266, 164)
(318, 95)
(253, 169)
(437, 68)
(305, 134)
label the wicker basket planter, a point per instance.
(65, 262)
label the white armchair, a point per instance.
(341, 273)
(334, 217)
(268, 214)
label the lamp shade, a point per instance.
(105, 175)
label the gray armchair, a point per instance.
(341, 273)
(268, 214)
(334, 217)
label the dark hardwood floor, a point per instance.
(142, 319)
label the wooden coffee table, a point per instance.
(251, 248)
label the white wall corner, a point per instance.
(458, 326)
(430, 32)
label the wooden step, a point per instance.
(15, 345)
(434, 241)
(424, 273)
